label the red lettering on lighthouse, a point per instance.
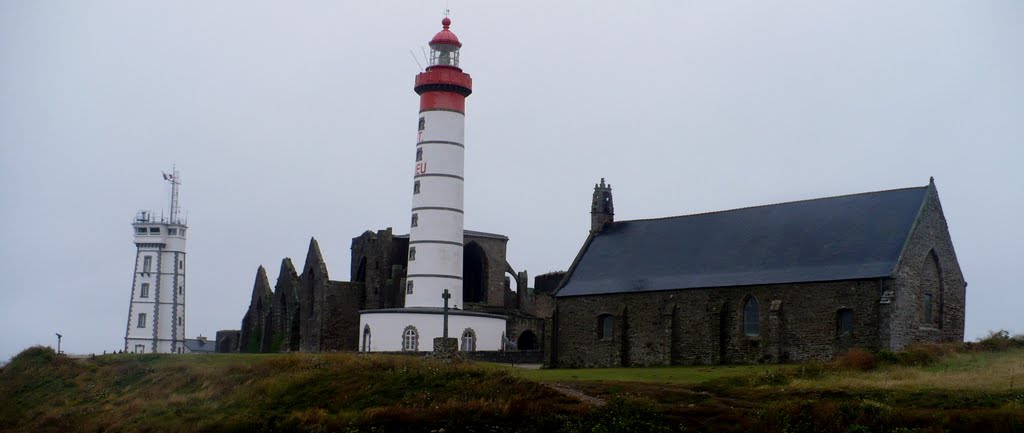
(421, 168)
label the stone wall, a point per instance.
(928, 266)
(227, 340)
(341, 323)
(254, 323)
(796, 322)
(494, 249)
(379, 261)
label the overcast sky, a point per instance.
(291, 120)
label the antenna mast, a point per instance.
(175, 179)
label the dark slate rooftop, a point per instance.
(827, 239)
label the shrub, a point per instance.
(856, 359)
(1000, 340)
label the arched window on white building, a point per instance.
(468, 340)
(410, 339)
(366, 338)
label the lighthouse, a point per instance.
(433, 285)
(156, 314)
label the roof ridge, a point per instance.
(769, 205)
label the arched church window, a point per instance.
(845, 322)
(605, 327)
(468, 340)
(410, 339)
(751, 324)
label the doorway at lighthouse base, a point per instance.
(414, 329)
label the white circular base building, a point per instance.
(414, 329)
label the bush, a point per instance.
(856, 359)
(1000, 340)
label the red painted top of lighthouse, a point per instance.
(445, 36)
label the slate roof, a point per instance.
(827, 239)
(200, 346)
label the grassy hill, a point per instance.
(968, 390)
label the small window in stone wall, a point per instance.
(412, 253)
(415, 219)
(419, 154)
(751, 322)
(928, 308)
(142, 320)
(845, 322)
(605, 327)
(144, 291)
(408, 288)
(416, 187)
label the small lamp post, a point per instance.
(58, 342)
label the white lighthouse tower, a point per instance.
(434, 277)
(156, 316)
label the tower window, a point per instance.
(181, 290)
(423, 124)
(180, 321)
(140, 230)
(412, 253)
(172, 232)
(154, 230)
(415, 220)
(144, 290)
(147, 264)
(408, 288)
(416, 187)
(751, 323)
(141, 323)
(419, 154)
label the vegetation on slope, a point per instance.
(43, 391)
(928, 388)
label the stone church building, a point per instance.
(776, 283)
(306, 311)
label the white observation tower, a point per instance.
(434, 278)
(156, 315)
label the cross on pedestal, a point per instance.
(446, 296)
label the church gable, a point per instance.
(837, 238)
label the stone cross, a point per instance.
(446, 296)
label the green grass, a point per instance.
(681, 375)
(42, 391)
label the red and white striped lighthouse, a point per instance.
(435, 236)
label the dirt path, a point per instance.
(575, 393)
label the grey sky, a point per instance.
(297, 119)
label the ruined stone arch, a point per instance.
(474, 273)
(527, 341)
